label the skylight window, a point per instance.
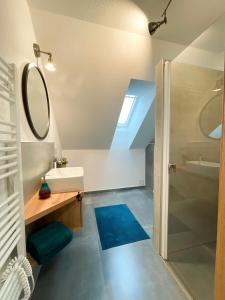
(126, 111)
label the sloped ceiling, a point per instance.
(212, 39)
(146, 133)
(186, 19)
(97, 51)
(94, 67)
(145, 94)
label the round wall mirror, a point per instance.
(36, 100)
(211, 117)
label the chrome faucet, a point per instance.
(55, 163)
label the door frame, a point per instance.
(165, 160)
(161, 158)
(220, 242)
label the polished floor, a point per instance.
(192, 246)
(195, 266)
(82, 271)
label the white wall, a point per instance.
(201, 58)
(164, 50)
(93, 73)
(94, 69)
(16, 39)
(109, 169)
(89, 85)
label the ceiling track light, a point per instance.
(153, 26)
(37, 52)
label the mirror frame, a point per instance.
(199, 120)
(25, 75)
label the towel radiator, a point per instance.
(12, 241)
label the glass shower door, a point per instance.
(194, 155)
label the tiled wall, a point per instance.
(37, 158)
(191, 89)
(193, 195)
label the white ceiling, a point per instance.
(212, 39)
(94, 67)
(208, 49)
(121, 14)
(95, 63)
(186, 19)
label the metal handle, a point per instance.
(172, 168)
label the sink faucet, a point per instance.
(200, 158)
(55, 163)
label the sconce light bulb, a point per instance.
(50, 66)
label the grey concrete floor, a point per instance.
(195, 266)
(191, 244)
(82, 271)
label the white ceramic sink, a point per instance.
(204, 168)
(65, 179)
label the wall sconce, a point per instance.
(37, 52)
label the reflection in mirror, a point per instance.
(216, 133)
(35, 100)
(210, 117)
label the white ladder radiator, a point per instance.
(12, 242)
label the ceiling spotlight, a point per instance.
(153, 26)
(37, 52)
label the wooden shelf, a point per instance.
(37, 208)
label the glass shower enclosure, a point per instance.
(193, 135)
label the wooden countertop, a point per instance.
(37, 208)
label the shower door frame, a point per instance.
(220, 245)
(161, 158)
(165, 157)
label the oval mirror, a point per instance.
(211, 117)
(36, 100)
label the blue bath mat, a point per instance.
(117, 226)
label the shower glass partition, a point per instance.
(196, 97)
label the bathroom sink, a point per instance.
(204, 168)
(65, 179)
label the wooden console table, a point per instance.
(62, 207)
